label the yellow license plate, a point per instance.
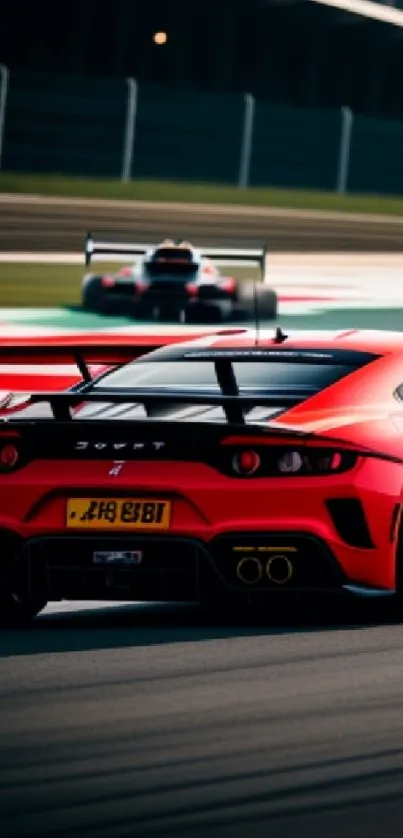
(118, 514)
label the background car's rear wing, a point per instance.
(226, 256)
(231, 256)
(118, 251)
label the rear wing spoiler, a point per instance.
(118, 251)
(228, 256)
(108, 349)
(233, 405)
(233, 256)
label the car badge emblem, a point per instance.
(116, 468)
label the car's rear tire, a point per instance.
(16, 611)
(93, 296)
(398, 599)
(254, 298)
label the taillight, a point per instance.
(228, 284)
(290, 463)
(276, 461)
(9, 455)
(246, 462)
(108, 281)
(314, 461)
(140, 285)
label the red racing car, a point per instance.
(216, 468)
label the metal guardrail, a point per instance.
(120, 129)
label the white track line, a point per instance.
(302, 261)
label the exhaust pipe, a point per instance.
(249, 570)
(279, 569)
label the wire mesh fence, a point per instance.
(110, 128)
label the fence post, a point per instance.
(130, 129)
(247, 139)
(345, 146)
(4, 75)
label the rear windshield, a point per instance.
(171, 268)
(251, 376)
(171, 260)
(172, 254)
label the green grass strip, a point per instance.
(163, 191)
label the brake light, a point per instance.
(246, 462)
(140, 286)
(228, 284)
(279, 461)
(315, 461)
(191, 289)
(9, 456)
(108, 281)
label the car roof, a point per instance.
(359, 340)
(170, 244)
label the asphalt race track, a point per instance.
(125, 724)
(126, 721)
(56, 224)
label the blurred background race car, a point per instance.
(176, 281)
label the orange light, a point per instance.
(160, 38)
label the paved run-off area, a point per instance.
(143, 724)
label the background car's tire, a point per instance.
(266, 300)
(92, 295)
(19, 612)
(142, 310)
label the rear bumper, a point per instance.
(336, 533)
(176, 568)
(166, 294)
